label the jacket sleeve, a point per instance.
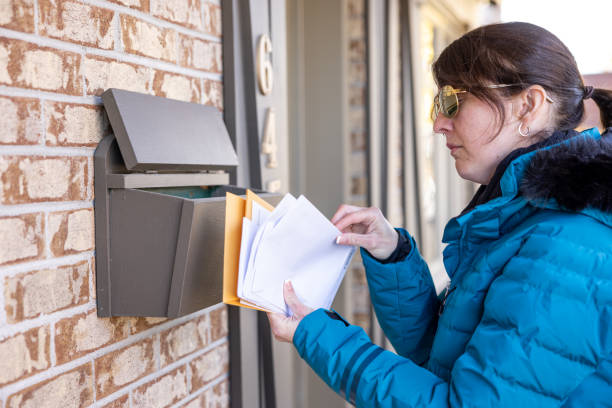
(595, 390)
(363, 373)
(405, 301)
(533, 353)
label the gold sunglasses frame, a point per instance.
(448, 90)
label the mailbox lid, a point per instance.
(156, 133)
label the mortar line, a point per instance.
(91, 357)
(49, 96)
(153, 20)
(29, 208)
(52, 354)
(3, 318)
(160, 373)
(118, 39)
(47, 151)
(12, 270)
(93, 382)
(36, 17)
(111, 54)
(43, 123)
(47, 242)
(201, 391)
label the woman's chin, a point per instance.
(468, 173)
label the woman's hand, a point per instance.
(283, 327)
(367, 228)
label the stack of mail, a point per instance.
(265, 246)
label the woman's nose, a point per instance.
(442, 124)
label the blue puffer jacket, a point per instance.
(528, 318)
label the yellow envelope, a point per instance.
(251, 196)
(235, 210)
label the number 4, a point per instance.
(268, 143)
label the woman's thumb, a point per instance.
(292, 300)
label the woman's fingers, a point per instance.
(379, 245)
(343, 210)
(361, 240)
(283, 327)
(362, 216)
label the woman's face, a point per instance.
(470, 136)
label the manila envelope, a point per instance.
(236, 207)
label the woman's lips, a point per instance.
(453, 148)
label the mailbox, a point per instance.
(160, 184)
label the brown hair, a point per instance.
(522, 54)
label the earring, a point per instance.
(521, 132)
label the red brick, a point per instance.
(149, 40)
(356, 8)
(213, 93)
(92, 293)
(358, 141)
(103, 73)
(357, 118)
(357, 73)
(71, 124)
(357, 50)
(140, 324)
(357, 96)
(21, 121)
(17, 15)
(21, 238)
(218, 323)
(142, 5)
(218, 396)
(76, 22)
(163, 391)
(69, 390)
(212, 19)
(27, 65)
(122, 402)
(199, 402)
(24, 354)
(356, 27)
(184, 339)
(27, 179)
(184, 12)
(28, 295)
(71, 231)
(81, 334)
(359, 185)
(209, 366)
(176, 86)
(200, 54)
(122, 367)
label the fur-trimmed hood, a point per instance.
(576, 174)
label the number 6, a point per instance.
(265, 75)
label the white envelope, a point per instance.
(249, 230)
(300, 246)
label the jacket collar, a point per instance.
(540, 178)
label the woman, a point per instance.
(527, 318)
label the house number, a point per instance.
(265, 75)
(268, 143)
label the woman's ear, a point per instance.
(531, 103)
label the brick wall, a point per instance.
(358, 166)
(56, 58)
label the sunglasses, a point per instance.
(446, 101)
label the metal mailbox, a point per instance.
(160, 185)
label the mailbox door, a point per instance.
(144, 227)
